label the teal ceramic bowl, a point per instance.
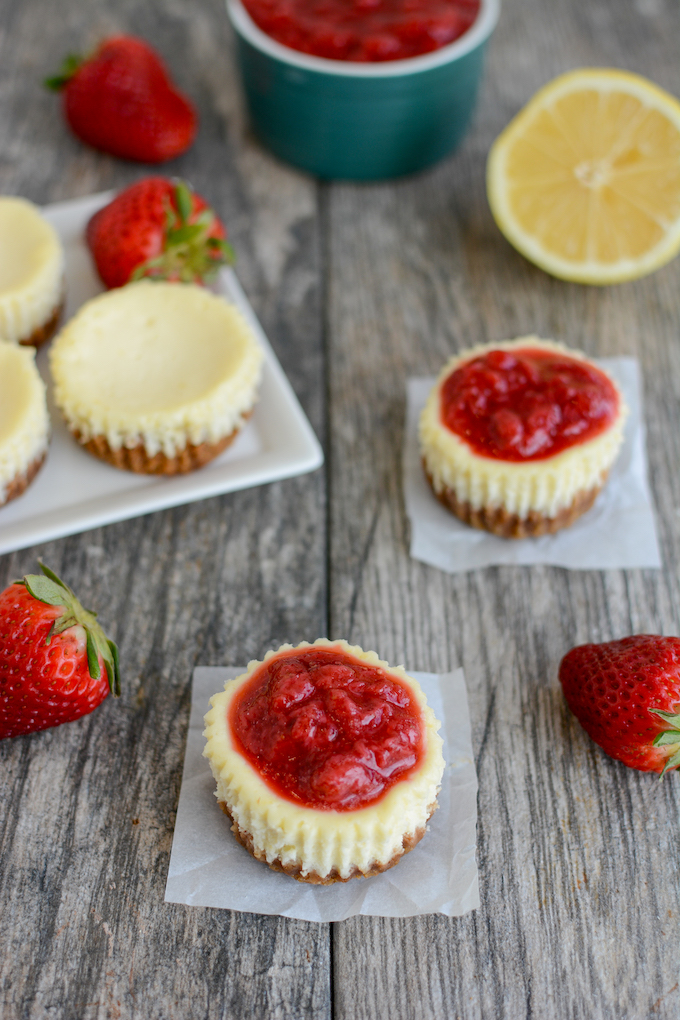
(342, 119)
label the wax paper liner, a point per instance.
(619, 531)
(208, 868)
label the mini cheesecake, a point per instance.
(24, 421)
(518, 437)
(31, 274)
(327, 761)
(156, 378)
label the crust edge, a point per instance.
(41, 334)
(136, 459)
(501, 522)
(21, 482)
(312, 877)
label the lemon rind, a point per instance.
(587, 271)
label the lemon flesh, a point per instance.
(585, 181)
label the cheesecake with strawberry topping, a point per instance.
(327, 760)
(24, 420)
(156, 378)
(31, 273)
(518, 437)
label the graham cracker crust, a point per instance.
(138, 460)
(500, 522)
(19, 484)
(47, 330)
(313, 877)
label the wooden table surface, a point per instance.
(358, 287)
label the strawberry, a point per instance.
(626, 695)
(56, 663)
(157, 228)
(121, 100)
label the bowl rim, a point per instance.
(479, 32)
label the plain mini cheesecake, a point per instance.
(31, 274)
(156, 377)
(24, 420)
(327, 760)
(518, 437)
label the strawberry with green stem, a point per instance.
(161, 229)
(120, 99)
(626, 695)
(56, 663)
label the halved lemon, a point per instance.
(585, 181)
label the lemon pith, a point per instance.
(585, 181)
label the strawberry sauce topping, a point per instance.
(527, 404)
(364, 30)
(326, 730)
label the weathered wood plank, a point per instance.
(579, 883)
(87, 814)
(577, 855)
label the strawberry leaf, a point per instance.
(205, 218)
(113, 668)
(670, 717)
(92, 657)
(667, 737)
(60, 80)
(186, 234)
(227, 252)
(62, 623)
(146, 269)
(184, 201)
(171, 219)
(53, 577)
(45, 590)
(671, 763)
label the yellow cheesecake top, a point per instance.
(543, 485)
(322, 839)
(24, 422)
(160, 363)
(31, 269)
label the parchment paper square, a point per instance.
(619, 531)
(208, 868)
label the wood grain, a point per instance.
(87, 813)
(358, 287)
(577, 855)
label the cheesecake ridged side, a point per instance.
(309, 841)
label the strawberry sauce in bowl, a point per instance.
(327, 730)
(364, 30)
(361, 89)
(527, 404)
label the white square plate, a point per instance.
(74, 491)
